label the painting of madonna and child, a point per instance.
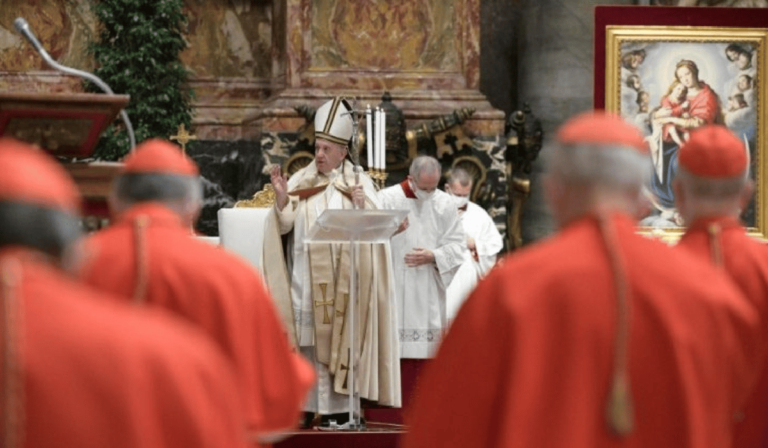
(669, 89)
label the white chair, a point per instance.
(241, 230)
(244, 231)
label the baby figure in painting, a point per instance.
(673, 104)
(744, 86)
(736, 102)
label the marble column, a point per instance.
(555, 78)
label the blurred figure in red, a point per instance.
(148, 256)
(80, 369)
(711, 188)
(597, 337)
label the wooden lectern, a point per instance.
(68, 125)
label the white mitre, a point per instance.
(333, 121)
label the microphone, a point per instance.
(23, 27)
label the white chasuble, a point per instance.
(320, 280)
(479, 226)
(433, 224)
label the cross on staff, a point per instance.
(183, 137)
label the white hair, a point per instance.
(703, 188)
(460, 176)
(177, 192)
(607, 167)
(424, 164)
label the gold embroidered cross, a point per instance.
(342, 368)
(340, 313)
(324, 303)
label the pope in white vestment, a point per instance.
(483, 241)
(319, 274)
(426, 256)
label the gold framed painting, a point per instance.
(669, 80)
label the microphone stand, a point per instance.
(23, 27)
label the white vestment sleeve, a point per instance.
(371, 195)
(451, 250)
(287, 216)
(488, 241)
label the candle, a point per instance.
(369, 136)
(377, 139)
(383, 160)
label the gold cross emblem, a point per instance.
(183, 137)
(324, 303)
(340, 313)
(343, 368)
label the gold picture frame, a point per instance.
(644, 66)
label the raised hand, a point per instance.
(280, 184)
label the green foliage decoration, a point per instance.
(137, 53)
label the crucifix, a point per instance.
(183, 137)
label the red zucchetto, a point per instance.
(156, 156)
(601, 128)
(33, 176)
(713, 151)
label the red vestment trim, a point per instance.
(406, 186)
(309, 192)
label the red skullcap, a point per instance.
(156, 156)
(34, 177)
(713, 151)
(601, 128)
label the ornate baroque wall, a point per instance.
(229, 54)
(426, 53)
(253, 62)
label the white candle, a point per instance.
(369, 136)
(383, 160)
(377, 138)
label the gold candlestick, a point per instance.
(378, 176)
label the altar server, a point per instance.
(426, 256)
(483, 241)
